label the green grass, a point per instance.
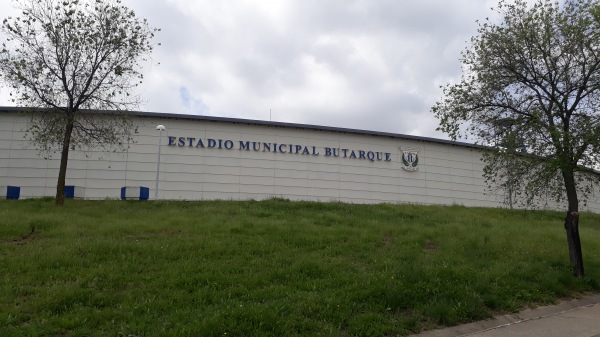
(276, 268)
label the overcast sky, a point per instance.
(363, 64)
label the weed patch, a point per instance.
(275, 267)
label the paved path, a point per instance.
(576, 318)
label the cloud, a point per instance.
(373, 65)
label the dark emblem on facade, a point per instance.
(410, 159)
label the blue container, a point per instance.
(144, 193)
(70, 192)
(135, 193)
(13, 192)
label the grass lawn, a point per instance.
(276, 268)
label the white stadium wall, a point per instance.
(204, 158)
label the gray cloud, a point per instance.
(362, 64)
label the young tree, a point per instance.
(531, 86)
(72, 58)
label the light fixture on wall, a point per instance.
(160, 129)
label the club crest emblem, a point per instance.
(410, 159)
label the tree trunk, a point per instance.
(64, 159)
(572, 225)
(575, 254)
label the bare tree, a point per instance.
(532, 84)
(73, 58)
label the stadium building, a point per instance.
(205, 158)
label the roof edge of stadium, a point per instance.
(265, 123)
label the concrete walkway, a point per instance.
(575, 318)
